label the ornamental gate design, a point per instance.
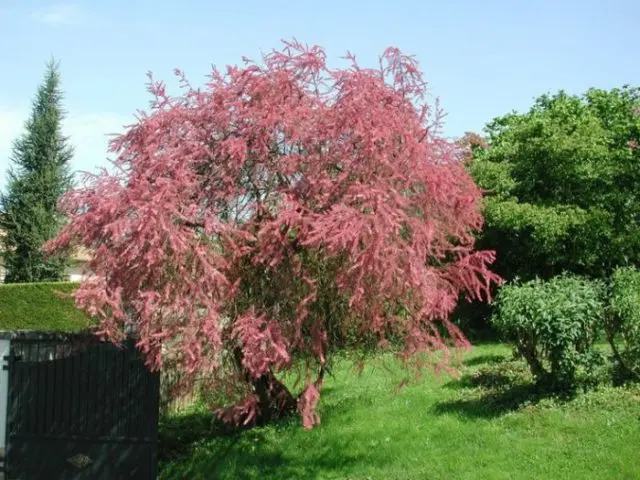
(79, 408)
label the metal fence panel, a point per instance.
(80, 409)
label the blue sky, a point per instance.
(482, 59)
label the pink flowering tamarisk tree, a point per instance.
(285, 209)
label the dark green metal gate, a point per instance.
(78, 409)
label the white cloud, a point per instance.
(60, 14)
(89, 133)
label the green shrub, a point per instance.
(623, 321)
(40, 306)
(553, 325)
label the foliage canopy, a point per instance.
(251, 220)
(563, 185)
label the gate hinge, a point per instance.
(6, 359)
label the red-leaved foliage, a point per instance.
(249, 221)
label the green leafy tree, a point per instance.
(562, 183)
(39, 174)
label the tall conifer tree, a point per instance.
(38, 175)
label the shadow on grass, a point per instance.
(484, 359)
(496, 395)
(485, 380)
(254, 455)
(196, 446)
(179, 433)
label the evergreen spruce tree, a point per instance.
(38, 175)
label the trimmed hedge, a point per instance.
(41, 306)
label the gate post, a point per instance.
(5, 347)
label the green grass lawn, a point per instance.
(432, 429)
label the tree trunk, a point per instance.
(611, 338)
(274, 399)
(528, 351)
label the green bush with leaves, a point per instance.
(623, 321)
(553, 325)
